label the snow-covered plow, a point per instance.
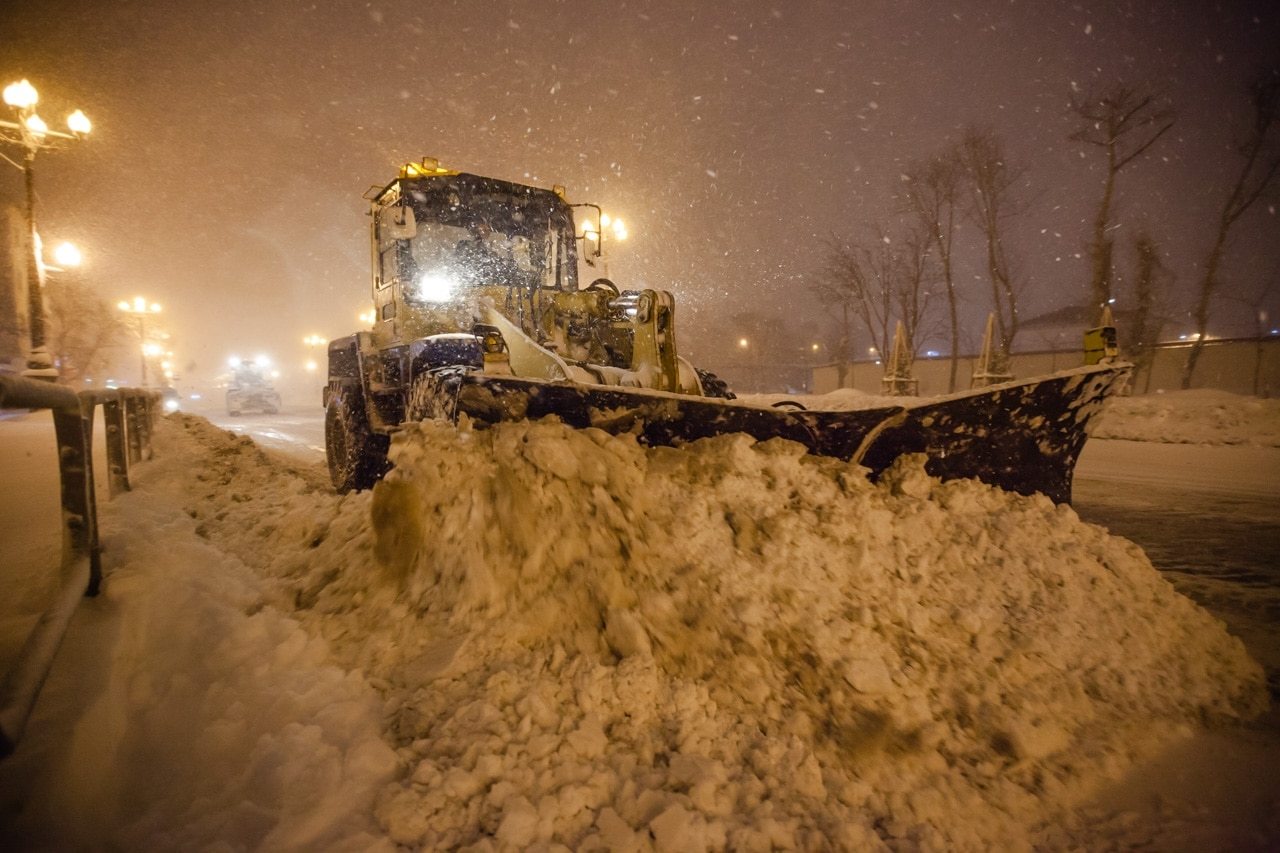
(1024, 437)
(478, 312)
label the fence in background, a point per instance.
(1241, 366)
(129, 417)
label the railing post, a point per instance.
(117, 450)
(74, 431)
(146, 422)
(132, 416)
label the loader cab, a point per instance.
(442, 242)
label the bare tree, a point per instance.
(875, 281)
(1124, 122)
(1260, 160)
(933, 192)
(991, 182)
(1256, 303)
(858, 279)
(837, 286)
(1151, 279)
(83, 327)
(911, 285)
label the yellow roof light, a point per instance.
(428, 166)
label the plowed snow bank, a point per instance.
(1191, 417)
(738, 644)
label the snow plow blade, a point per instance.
(657, 418)
(1023, 436)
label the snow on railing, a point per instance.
(129, 415)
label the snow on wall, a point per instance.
(580, 641)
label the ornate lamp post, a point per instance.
(139, 308)
(33, 135)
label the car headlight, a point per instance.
(434, 287)
(171, 405)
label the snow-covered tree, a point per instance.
(83, 327)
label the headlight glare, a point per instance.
(434, 287)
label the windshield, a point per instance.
(473, 231)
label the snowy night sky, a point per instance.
(232, 142)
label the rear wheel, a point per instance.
(357, 457)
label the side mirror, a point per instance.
(398, 223)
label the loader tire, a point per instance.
(714, 386)
(357, 457)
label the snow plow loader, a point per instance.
(478, 310)
(251, 391)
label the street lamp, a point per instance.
(139, 309)
(33, 135)
(313, 341)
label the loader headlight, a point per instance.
(493, 342)
(434, 287)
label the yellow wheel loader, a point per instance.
(478, 309)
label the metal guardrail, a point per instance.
(129, 416)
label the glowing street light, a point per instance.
(743, 343)
(313, 341)
(67, 255)
(139, 309)
(30, 132)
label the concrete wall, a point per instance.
(1224, 365)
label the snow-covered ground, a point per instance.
(538, 637)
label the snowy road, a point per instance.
(296, 431)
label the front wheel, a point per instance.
(357, 457)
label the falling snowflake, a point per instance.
(1088, 29)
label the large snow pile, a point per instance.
(1191, 417)
(533, 635)
(579, 641)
